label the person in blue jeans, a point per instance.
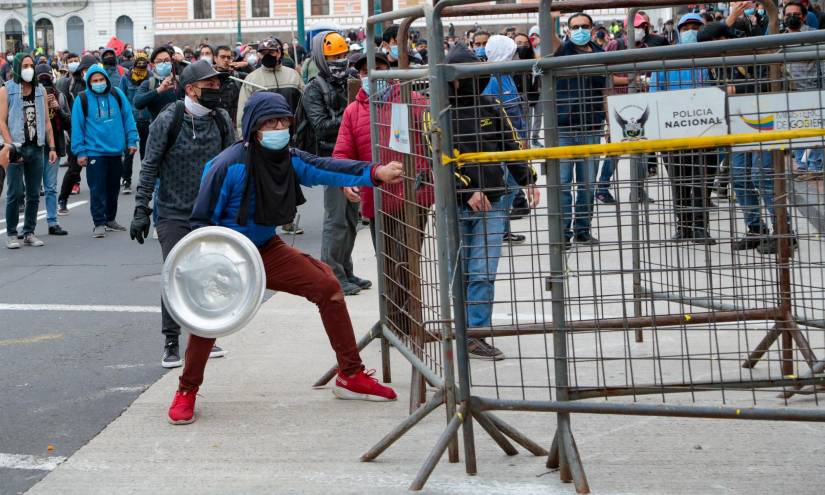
(580, 112)
(811, 168)
(24, 121)
(103, 129)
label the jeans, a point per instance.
(50, 188)
(32, 169)
(752, 174)
(103, 174)
(585, 178)
(814, 162)
(481, 239)
(606, 175)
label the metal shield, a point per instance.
(213, 281)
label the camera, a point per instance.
(14, 152)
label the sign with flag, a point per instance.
(777, 112)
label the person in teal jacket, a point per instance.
(103, 129)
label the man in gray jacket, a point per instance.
(182, 138)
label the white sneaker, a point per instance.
(12, 242)
(99, 231)
(31, 240)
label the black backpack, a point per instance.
(303, 136)
(177, 123)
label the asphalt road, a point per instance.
(66, 372)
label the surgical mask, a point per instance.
(481, 52)
(163, 69)
(760, 12)
(73, 66)
(394, 51)
(275, 140)
(580, 36)
(208, 58)
(252, 60)
(365, 84)
(9, 58)
(338, 68)
(99, 87)
(27, 74)
(525, 52)
(638, 35)
(373, 87)
(749, 12)
(689, 36)
(195, 108)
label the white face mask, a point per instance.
(195, 108)
(639, 34)
(27, 74)
(208, 58)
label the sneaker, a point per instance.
(182, 410)
(480, 349)
(31, 240)
(514, 238)
(99, 231)
(701, 236)
(127, 188)
(171, 354)
(361, 386)
(62, 211)
(290, 228)
(752, 239)
(771, 245)
(350, 289)
(682, 234)
(56, 229)
(12, 242)
(76, 189)
(115, 227)
(217, 352)
(360, 282)
(586, 238)
(606, 198)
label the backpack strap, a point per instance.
(84, 101)
(174, 130)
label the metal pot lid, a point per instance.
(213, 281)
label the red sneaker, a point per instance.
(76, 189)
(361, 386)
(182, 410)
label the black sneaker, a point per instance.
(56, 229)
(770, 245)
(360, 282)
(586, 238)
(752, 239)
(479, 349)
(701, 236)
(514, 238)
(127, 187)
(62, 210)
(606, 198)
(171, 354)
(217, 352)
(350, 289)
(682, 235)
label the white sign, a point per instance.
(667, 114)
(399, 128)
(776, 112)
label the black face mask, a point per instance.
(210, 98)
(525, 52)
(793, 22)
(269, 61)
(46, 82)
(601, 35)
(423, 52)
(109, 61)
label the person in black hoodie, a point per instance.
(479, 123)
(61, 120)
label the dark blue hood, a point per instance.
(260, 107)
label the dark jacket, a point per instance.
(130, 89)
(579, 100)
(61, 120)
(325, 112)
(230, 90)
(148, 97)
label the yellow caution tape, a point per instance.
(629, 147)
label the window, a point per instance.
(202, 9)
(260, 8)
(320, 7)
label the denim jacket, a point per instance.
(16, 117)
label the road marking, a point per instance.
(23, 461)
(31, 340)
(80, 307)
(42, 214)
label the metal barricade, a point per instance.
(701, 297)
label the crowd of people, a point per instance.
(227, 135)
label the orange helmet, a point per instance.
(335, 44)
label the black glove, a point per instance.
(139, 229)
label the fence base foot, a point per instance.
(516, 435)
(495, 433)
(790, 329)
(374, 333)
(440, 446)
(571, 468)
(403, 427)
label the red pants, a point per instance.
(289, 270)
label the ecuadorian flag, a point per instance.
(760, 124)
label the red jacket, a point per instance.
(354, 143)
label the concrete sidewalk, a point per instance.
(262, 429)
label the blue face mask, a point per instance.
(760, 12)
(73, 66)
(580, 36)
(163, 69)
(749, 12)
(275, 140)
(689, 36)
(394, 51)
(99, 87)
(481, 52)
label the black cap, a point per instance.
(86, 61)
(362, 59)
(715, 30)
(270, 44)
(198, 71)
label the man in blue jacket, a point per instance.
(103, 129)
(253, 187)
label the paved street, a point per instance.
(68, 371)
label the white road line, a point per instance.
(80, 307)
(42, 214)
(23, 461)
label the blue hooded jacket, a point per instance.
(109, 128)
(224, 177)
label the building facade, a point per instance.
(76, 25)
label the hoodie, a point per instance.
(109, 128)
(502, 86)
(282, 80)
(224, 177)
(326, 99)
(115, 72)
